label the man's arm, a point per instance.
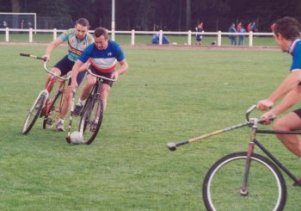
(52, 46)
(289, 83)
(288, 101)
(122, 69)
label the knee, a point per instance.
(90, 81)
(105, 89)
(280, 125)
(68, 93)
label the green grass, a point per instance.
(167, 95)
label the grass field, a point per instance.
(167, 95)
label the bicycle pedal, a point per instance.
(49, 122)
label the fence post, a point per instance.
(30, 35)
(133, 37)
(250, 39)
(219, 38)
(189, 37)
(54, 34)
(160, 37)
(6, 34)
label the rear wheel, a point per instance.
(34, 113)
(91, 119)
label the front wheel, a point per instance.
(91, 119)
(222, 184)
(33, 113)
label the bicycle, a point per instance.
(245, 180)
(91, 115)
(46, 105)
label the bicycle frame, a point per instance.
(251, 146)
(42, 105)
(54, 79)
(97, 86)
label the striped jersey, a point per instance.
(103, 61)
(76, 46)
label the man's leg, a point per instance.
(91, 80)
(50, 77)
(289, 122)
(104, 92)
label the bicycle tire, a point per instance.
(33, 113)
(90, 113)
(218, 190)
(52, 110)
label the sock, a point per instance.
(81, 102)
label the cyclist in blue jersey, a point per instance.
(287, 35)
(78, 38)
(103, 56)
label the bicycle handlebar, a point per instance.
(33, 56)
(64, 78)
(249, 111)
(100, 76)
(253, 121)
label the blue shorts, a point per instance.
(65, 65)
(199, 38)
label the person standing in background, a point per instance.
(199, 29)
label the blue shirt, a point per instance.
(295, 51)
(104, 60)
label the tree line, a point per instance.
(172, 15)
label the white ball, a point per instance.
(76, 137)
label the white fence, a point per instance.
(133, 34)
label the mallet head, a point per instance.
(172, 146)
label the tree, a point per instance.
(188, 14)
(15, 5)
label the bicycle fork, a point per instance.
(244, 191)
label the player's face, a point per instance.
(101, 42)
(81, 31)
(281, 42)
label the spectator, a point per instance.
(240, 29)
(5, 25)
(249, 27)
(199, 29)
(232, 37)
(254, 26)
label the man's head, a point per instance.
(286, 30)
(101, 38)
(81, 26)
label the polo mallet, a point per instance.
(173, 146)
(32, 56)
(68, 139)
